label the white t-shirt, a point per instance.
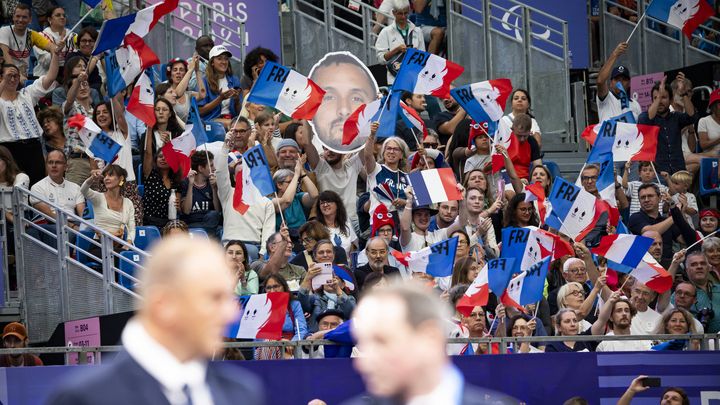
(644, 323)
(66, 194)
(709, 125)
(476, 162)
(342, 181)
(222, 86)
(418, 241)
(623, 345)
(17, 47)
(22, 180)
(692, 203)
(345, 241)
(610, 107)
(17, 117)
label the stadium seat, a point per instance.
(88, 213)
(139, 176)
(85, 245)
(128, 267)
(709, 184)
(553, 167)
(141, 190)
(215, 131)
(145, 236)
(198, 233)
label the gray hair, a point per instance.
(282, 174)
(563, 292)
(374, 238)
(558, 318)
(399, 4)
(403, 146)
(712, 242)
(695, 253)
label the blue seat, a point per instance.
(709, 184)
(128, 267)
(85, 245)
(88, 213)
(141, 190)
(215, 131)
(139, 177)
(553, 167)
(145, 236)
(198, 233)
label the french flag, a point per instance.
(142, 100)
(253, 182)
(478, 293)
(484, 101)
(626, 251)
(96, 141)
(113, 32)
(528, 246)
(177, 152)
(424, 73)
(412, 120)
(286, 90)
(652, 274)
(358, 123)
(434, 186)
(198, 127)
(574, 211)
(124, 65)
(591, 131)
(261, 317)
(505, 137)
(345, 275)
(685, 15)
(527, 288)
(536, 192)
(436, 260)
(635, 142)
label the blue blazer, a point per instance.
(124, 382)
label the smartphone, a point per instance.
(651, 382)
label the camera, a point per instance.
(705, 315)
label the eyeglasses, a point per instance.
(431, 145)
(239, 131)
(577, 293)
(588, 178)
(307, 240)
(462, 242)
(576, 272)
(87, 41)
(526, 209)
(392, 149)
(273, 287)
(327, 202)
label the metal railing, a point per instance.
(707, 342)
(655, 46)
(519, 42)
(176, 33)
(65, 273)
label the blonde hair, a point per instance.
(564, 290)
(682, 177)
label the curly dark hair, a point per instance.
(341, 214)
(509, 218)
(253, 57)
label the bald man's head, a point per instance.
(657, 246)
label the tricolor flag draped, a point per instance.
(97, 142)
(478, 293)
(484, 101)
(527, 288)
(436, 260)
(625, 251)
(685, 15)
(591, 131)
(262, 317)
(113, 32)
(290, 92)
(177, 152)
(123, 65)
(652, 274)
(358, 123)
(253, 182)
(424, 73)
(142, 100)
(574, 211)
(434, 186)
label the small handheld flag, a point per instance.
(484, 101)
(436, 260)
(424, 73)
(627, 251)
(574, 211)
(253, 181)
(177, 152)
(125, 64)
(527, 288)
(262, 317)
(434, 186)
(142, 100)
(114, 31)
(290, 92)
(358, 123)
(345, 275)
(478, 293)
(685, 15)
(97, 142)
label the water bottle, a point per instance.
(172, 211)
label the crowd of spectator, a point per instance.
(326, 209)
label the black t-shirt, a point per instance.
(578, 347)
(202, 201)
(363, 271)
(459, 139)
(640, 219)
(441, 118)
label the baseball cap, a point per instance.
(714, 97)
(16, 329)
(620, 70)
(330, 312)
(218, 50)
(287, 142)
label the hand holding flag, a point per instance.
(97, 142)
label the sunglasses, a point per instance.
(430, 145)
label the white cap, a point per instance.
(218, 50)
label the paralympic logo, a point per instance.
(515, 26)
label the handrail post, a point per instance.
(488, 39)
(571, 135)
(18, 231)
(108, 271)
(603, 42)
(527, 44)
(169, 36)
(206, 30)
(503, 345)
(367, 34)
(641, 32)
(329, 21)
(6, 268)
(60, 237)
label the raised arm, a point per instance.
(73, 91)
(652, 110)
(52, 72)
(606, 69)
(587, 305)
(369, 151)
(517, 184)
(583, 253)
(598, 327)
(284, 201)
(406, 218)
(183, 85)
(148, 154)
(275, 260)
(120, 122)
(224, 186)
(313, 157)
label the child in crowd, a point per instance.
(679, 184)
(647, 175)
(480, 142)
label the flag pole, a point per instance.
(70, 31)
(636, 26)
(427, 165)
(537, 305)
(656, 173)
(702, 239)
(382, 110)
(282, 217)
